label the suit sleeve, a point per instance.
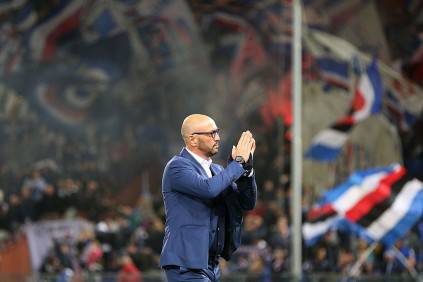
(247, 192)
(185, 179)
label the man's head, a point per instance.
(200, 135)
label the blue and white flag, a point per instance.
(327, 144)
(334, 72)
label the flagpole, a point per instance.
(355, 269)
(296, 152)
(413, 272)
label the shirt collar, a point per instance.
(199, 159)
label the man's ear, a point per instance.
(193, 141)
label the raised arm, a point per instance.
(181, 176)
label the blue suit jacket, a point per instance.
(188, 195)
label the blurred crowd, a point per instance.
(124, 239)
(52, 170)
(127, 239)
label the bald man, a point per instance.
(204, 202)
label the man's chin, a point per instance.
(214, 152)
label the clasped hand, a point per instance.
(245, 146)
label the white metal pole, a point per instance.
(296, 153)
(355, 269)
(412, 270)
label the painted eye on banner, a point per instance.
(61, 103)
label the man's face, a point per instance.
(208, 139)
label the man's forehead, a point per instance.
(197, 123)
(205, 126)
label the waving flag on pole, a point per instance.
(325, 214)
(333, 71)
(380, 204)
(327, 144)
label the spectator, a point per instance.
(280, 236)
(401, 259)
(254, 230)
(51, 264)
(36, 184)
(128, 272)
(27, 204)
(49, 205)
(345, 261)
(368, 265)
(155, 233)
(279, 261)
(15, 215)
(321, 262)
(4, 209)
(90, 196)
(256, 268)
(92, 255)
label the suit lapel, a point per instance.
(185, 154)
(214, 170)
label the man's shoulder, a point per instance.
(179, 161)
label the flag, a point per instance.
(11, 51)
(327, 144)
(105, 19)
(334, 72)
(325, 215)
(62, 20)
(380, 204)
(10, 5)
(100, 26)
(397, 113)
(24, 16)
(240, 45)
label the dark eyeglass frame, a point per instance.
(211, 134)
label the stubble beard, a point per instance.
(214, 150)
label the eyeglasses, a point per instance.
(211, 134)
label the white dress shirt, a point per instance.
(203, 162)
